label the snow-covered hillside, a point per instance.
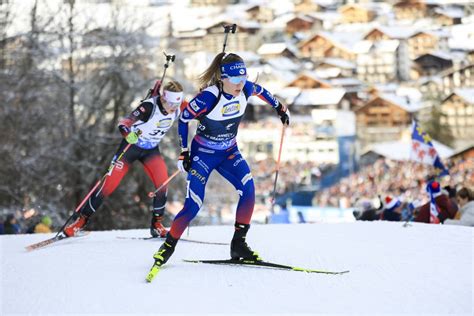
(420, 269)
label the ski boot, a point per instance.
(165, 251)
(239, 250)
(162, 256)
(79, 221)
(157, 229)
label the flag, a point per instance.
(434, 210)
(422, 150)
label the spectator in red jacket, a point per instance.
(447, 209)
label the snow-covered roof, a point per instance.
(338, 62)
(413, 94)
(439, 54)
(464, 149)
(330, 16)
(451, 12)
(342, 82)
(249, 57)
(440, 33)
(272, 78)
(390, 87)
(364, 47)
(303, 17)
(344, 40)
(462, 37)
(188, 34)
(272, 48)
(396, 31)
(288, 94)
(313, 75)
(280, 21)
(320, 97)
(465, 93)
(327, 73)
(227, 19)
(405, 102)
(400, 150)
(324, 2)
(283, 63)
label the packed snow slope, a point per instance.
(420, 269)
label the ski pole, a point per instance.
(278, 167)
(227, 29)
(153, 194)
(169, 58)
(112, 165)
(167, 64)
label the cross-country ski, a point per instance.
(263, 264)
(182, 239)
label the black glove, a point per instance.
(184, 161)
(284, 116)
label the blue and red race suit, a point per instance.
(214, 147)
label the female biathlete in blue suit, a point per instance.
(219, 109)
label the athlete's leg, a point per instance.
(155, 168)
(112, 180)
(202, 164)
(105, 188)
(236, 170)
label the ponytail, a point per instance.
(212, 75)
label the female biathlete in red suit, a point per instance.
(143, 129)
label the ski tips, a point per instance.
(43, 243)
(58, 237)
(152, 274)
(319, 271)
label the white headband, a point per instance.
(173, 97)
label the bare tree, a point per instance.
(62, 93)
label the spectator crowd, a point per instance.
(384, 190)
(400, 190)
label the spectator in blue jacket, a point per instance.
(10, 226)
(392, 210)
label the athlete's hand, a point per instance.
(132, 138)
(184, 161)
(284, 114)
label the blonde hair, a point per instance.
(173, 86)
(212, 75)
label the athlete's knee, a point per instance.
(247, 180)
(160, 199)
(246, 184)
(188, 212)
